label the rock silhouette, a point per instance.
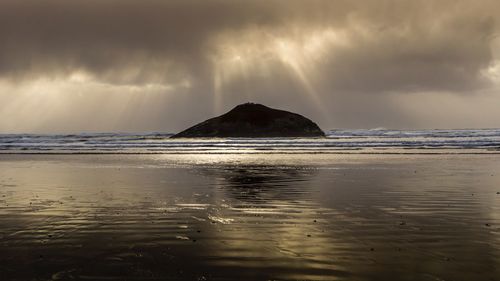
(251, 120)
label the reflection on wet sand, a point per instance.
(357, 218)
(278, 227)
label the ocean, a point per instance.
(337, 141)
(356, 205)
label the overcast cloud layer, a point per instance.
(109, 65)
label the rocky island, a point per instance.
(252, 120)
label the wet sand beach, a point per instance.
(250, 217)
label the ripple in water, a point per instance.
(273, 217)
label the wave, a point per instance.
(337, 141)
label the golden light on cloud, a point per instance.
(493, 71)
(256, 52)
(341, 63)
(41, 100)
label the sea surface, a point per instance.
(358, 205)
(337, 141)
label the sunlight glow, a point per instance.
(493, 72)
(294, 57)
(254, 53)
(39, 101)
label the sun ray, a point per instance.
(253, 53)
(292, 58)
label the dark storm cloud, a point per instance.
(102, 36)
(338, 54)
(429, 53)
(106, 36)
(393, 44)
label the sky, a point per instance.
(151, 65)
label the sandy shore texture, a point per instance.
(249, 217)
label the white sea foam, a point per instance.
(337, 141)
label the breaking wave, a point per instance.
(337, 141)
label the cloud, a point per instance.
(326, 59)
